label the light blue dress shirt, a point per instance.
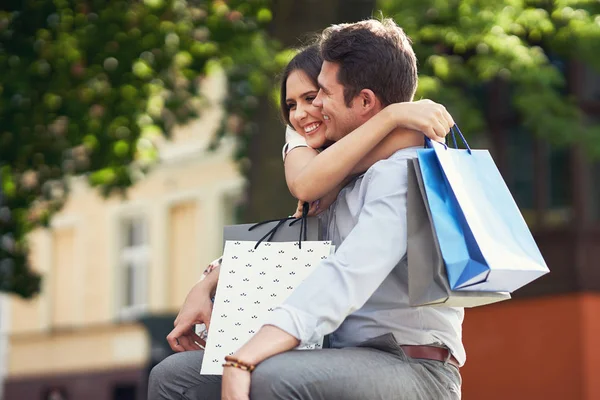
(361, 291)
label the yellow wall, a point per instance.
(72, 324)
(64, 309)
(93, 349)
(182, 245)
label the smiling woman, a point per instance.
(302, 115)
(298, 90)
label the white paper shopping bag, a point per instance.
(252, 282)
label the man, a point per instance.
(381, 347)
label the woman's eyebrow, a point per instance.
(304, 94)
(307, 93)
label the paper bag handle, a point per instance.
(303, 227)
(453, 131)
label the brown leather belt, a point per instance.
(430, 353)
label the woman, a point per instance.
(315, 170)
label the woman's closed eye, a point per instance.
(290, 106)
(309, 99)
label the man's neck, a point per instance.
(403, 138)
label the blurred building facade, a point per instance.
(117, 270)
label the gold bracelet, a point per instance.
(235, 363)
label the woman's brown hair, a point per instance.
(309, 61)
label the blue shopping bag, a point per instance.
(485, 242)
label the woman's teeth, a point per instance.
(312, 127)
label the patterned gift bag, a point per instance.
(252, 282)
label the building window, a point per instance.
(520, 175)
(134, 258)
(595, 192)
(593, 179)
(559, 165)
(539, 180)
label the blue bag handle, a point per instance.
(453, 131)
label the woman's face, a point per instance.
(306, 119)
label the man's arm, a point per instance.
(341, 284)
(346, 280)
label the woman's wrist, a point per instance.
(394, 114)
(209, 284)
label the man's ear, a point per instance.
(368, 102)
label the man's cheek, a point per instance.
(325, 110)
(323, 106)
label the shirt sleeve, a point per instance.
(291, 134)
(345, 281)
(292, 140)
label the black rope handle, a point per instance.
(303, 224)
(270, 234)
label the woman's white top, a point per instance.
(292, 140)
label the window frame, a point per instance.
(136, 256)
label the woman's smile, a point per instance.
(312, 128)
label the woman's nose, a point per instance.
(300, 112)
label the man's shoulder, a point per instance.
(390, 175)
(394, 162)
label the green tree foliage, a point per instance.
(464, 45)
(86, 86)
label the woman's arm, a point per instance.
(399, 139)
(311, 175)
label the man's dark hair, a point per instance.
(309, 61)
(374, 55)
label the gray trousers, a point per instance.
(376, 370)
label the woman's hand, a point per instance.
(314, 209)
(317, 207)
(426, 116)
(235, 384)
(329, 198)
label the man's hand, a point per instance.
(426, 116)
(235, 384)
(196, 309)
